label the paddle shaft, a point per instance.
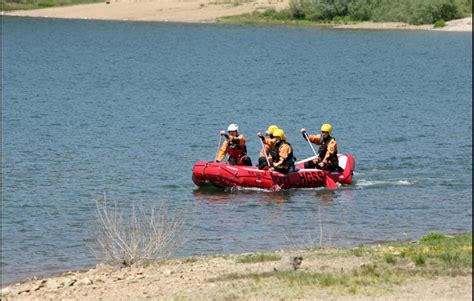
(218, 146)
(310, 144)
(264, 152)
(306, 160)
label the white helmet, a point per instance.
(233, 127)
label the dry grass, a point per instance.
(140, 236)
(384, 267)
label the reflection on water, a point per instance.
(212, 195)
(326, 196)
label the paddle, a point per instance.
(310, 144)
(306, 160)
(264, 150)
(218, 146)
(328, 181)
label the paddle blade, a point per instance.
(330, 183)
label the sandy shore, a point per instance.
(460, 25)
(201, 11)
(227, 278)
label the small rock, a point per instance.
(167, 272)
(24, 291)
(85, 281)
(53, 284)
(5, 291)
(68, 273)
(296, 262)
(37, 287)
(119, 277)
(71, 282)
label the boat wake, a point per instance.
(369, 183)
(247, 189)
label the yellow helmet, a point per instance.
(326, 128)
(271, 129)
(279, 133)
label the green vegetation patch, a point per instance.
(254, 258)
(306, 12)
(436, 253)
(432, 237)
(367, 279)
(9, 5)
(432, 255)
(359, 251)
(439, 24)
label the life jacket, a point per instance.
(289, 161)
(272, 148)
(323, 148)
(235, 150)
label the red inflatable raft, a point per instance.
(224, 175)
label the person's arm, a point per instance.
(316, 139)
(241, 139)
(222, 151)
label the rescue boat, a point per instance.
(225, 175)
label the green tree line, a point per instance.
(409, 11)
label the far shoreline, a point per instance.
(362, 26)
(207, 12)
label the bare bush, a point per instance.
(315, 235)
(137, 237)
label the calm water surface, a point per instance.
(126, 109)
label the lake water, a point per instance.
(126, 109)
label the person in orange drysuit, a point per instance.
(327, 154)
(234, 146)
(283, 158)
(268, 142)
